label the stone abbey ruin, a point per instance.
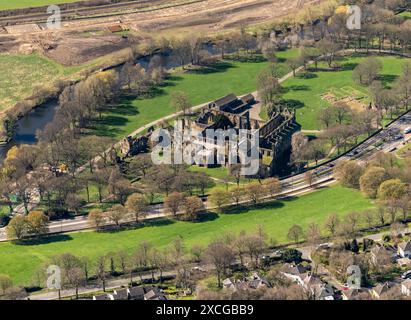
(232, 112)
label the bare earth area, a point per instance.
(79, 41)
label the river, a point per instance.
(38, 118)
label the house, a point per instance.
(404, 262)
(295, 273)
(103, 297)
(406, 287)
(229, 284)
(351, 294)
(121, 294)
(115, 28)
(380, 289)
(324, 292)
(253, 282)
(146, 293)
(136, 293)
(380, 255)
(154, 294)
(404, 249)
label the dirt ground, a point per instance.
(79, 41)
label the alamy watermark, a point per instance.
(53, 277)
(354, 18)
(207, 148)
(54, 20)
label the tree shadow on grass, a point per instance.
(44, 240)
(214, 68)
(205, 217)
(245, 209)
(387, 78)
(293, 104)
(301, 87)
(135, 226)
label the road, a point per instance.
(292, 186)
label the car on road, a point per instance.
(407, 130)
(406, 275)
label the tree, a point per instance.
(254, 192)
(101, 270)
(392, 189)
(313, 233)
(73, 202)
(348, 173)
(173, 202)
(331, 223)
(220, 198)
(180, 101)
(221, 256)
(291, 256)
(272, 186)
(140, 165)
(192, 206)
(372, 178)
(137, 204)
(342, 112)
(37, 223)
(5, 283)
(367, 71)
(294, 63)
(96, 218)
(295, 233)
(309, 177)
(119, 186)
(368, 216)
(326, 116)
(269, 89)
(328, 50)
(116, 214)
(17, 228)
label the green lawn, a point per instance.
(21, 261)
(17, 4)
(406, 14)
(224, 78)
(305, 93)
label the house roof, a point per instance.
(405, 246)
(136, 292)
(382, 288)
(407, 284)
(225, 100)
(102, 297)
(376, 250)
(293, 269)
(115, 28)
(121, 294)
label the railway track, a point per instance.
(96, 12)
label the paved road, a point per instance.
(295, 185)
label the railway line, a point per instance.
(96, 12)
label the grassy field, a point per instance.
(21, 73)
(22, 261)
(406, 14)
(305, 93)
(17, 4)
(210, 84)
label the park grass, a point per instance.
(18, 4)
(201, 86)
(305, 92)
(22, 261)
